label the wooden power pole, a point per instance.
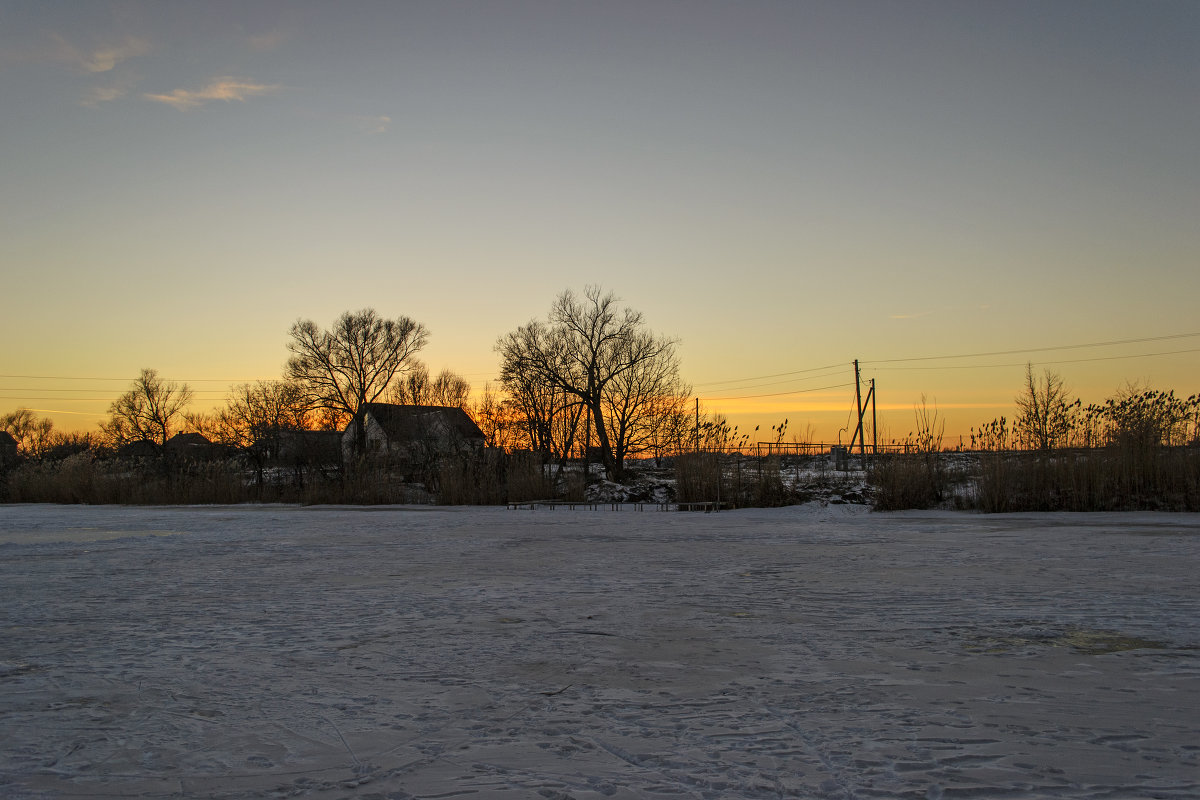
(858, 409)
(861, 408)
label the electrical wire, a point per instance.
(780, 383)
(128, 379)
(1044, 363)
(45, 389)
(781, 394)
(774, 375)
(109, 399)
(1036, 349)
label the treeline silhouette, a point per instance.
(583, 392)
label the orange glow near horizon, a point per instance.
(963, 400)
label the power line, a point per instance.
(779, 383)
(45, 389)
(780, 394)
(774, 375)
(1044, 363)
(1038, 349)
(129, 379)
(108, 399)
(63, 378)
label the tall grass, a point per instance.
(81, 478)
(918, 477)
(1101, 479)
(741, 481)
(1139, 450)
(487, 478)
(899, 481)
(494, 477)
(699, 478)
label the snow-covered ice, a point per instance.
(811, 652)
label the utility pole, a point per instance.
(862, 445)
(874, 426)
(860, 434)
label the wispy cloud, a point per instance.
(101, 58)
(225, 89)
(103, 94)
(373, 125)
(917, 315)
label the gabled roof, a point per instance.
(188, 440)
(407, 423)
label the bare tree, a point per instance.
(256, 413)
(148, 412)
(582, 348)
(1045, 415)
(550, 418)
(62, 445)
(493, 414)
(416, 389)
(33, 434)
(450, 389)
(412, 389)
(207, 425)
(672, 425)
(355, 361)
(642, 404)
(256, 416)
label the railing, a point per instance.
(707, 506)
(762, 449)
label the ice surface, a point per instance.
(822, 652)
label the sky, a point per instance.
(944, 191)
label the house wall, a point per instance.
(376, 439)
(438, 437)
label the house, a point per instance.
(411, 434)
(189, 447)
(8, 449)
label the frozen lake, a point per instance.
(811, 652)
